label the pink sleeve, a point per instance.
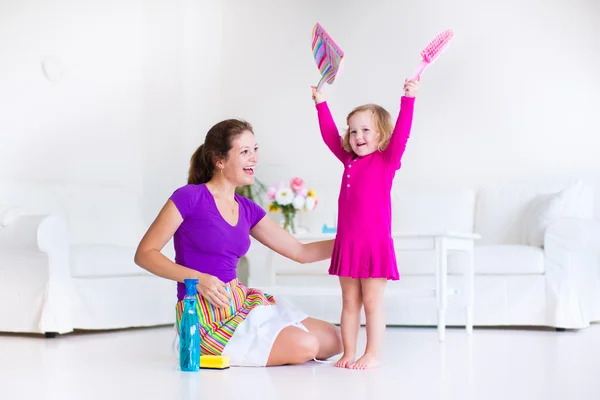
(329, 131)
(395, 150)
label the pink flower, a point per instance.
(297, 184)
(303, 192)
(271, 193)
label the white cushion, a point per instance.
(104, 215)
(92, 261)
(96, 214)
(35, 198)
(9, 214)
(502, 210)
(488, 260)
(509, 260)
(546, 209)
(414, 209)
(418, 210)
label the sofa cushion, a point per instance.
(104, 215)
(509, 260)
(502, 210)
(108, 215)
(34, 198)
(418, 210)
(488, 260)
(9, 214)
(93, 261)
(546, 209)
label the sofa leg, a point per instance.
(560, 330)
(51, 335)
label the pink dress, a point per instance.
(363, 246)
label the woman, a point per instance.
(211, 226)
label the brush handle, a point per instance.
(322, 82)
(419, 70)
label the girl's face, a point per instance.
(363, 136)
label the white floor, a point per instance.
(138, 364)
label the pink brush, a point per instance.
(433, 51)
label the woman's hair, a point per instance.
(217, 144)
(383, 125)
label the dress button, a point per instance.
(350, 166)
(348, 175)
(348, 185)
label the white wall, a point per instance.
(183, 96)
(137, 89)
(86, 125)
(515, 97)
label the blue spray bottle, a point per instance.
(189, 330)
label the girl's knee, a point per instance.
(352, 304)
(372, 296)
(373, 304)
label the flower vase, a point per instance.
(289, 221)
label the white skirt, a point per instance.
(252, 341)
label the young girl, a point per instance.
(363, 254)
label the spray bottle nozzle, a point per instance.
(190, 286)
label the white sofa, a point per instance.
(537, 263)
(66, 261)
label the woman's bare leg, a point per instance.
(328, 335)
(350, 321)
(293, 346)
(372, 295)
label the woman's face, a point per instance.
(241, 160)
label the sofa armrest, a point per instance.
(576, 235)
(572, 255)
(39, 233)
(37, 249)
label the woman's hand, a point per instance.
(411, 87)
(317, 96)
(211, 288)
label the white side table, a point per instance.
(442, 243)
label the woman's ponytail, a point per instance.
(201, 167)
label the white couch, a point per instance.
(66, 261)
(537, 264)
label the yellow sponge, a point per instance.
(214, 362)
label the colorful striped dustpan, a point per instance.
(327, 54)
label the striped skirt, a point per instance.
(245, 331)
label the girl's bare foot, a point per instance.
(367, 361)
(346, 360)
